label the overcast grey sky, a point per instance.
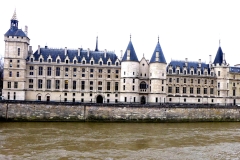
(187, 28)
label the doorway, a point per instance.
(99, 99)
(143, 100)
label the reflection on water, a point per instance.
(110, 141)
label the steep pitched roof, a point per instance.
(219, 56)
(161, 58)
(15, 32)
(194, 65)
(54, 53)
(133, 56)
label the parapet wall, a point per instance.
(63, 112)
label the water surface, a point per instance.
(111, 141)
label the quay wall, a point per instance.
(113, 113)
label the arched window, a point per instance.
(108, 63)
(58, 61)
(100, 63)
(143, 86)
(74, 61)
(116, 63)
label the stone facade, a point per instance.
(101, 77)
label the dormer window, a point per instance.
(212, 74)
(49, 60)
(40, 60)
(108, 63)
(66, 61)
(75, 62)
(184, 72)
(178, 71)
(116, 63)
(91, 62)
(100, 63)
(58, 61)
(83, 62)
(199, 73)
(170, 71)
(31, 59)
(191, 72)
(205, 73)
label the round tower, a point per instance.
(16, 52)
(157, 76)
(129, 76)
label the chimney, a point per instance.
(121, 51)
(128, 54)
(199, 62)
(210, 59)
(157, 57)
(105, 53)
(65, 52)
(88, 52)
(38, 49)
(26, 30)
(186, 61)
(224, 61)
(30, 50)
(78, 52)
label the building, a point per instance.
(95, 76)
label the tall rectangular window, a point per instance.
(74, 84)
(82, 85)
(116, 86)
(66, 84)
(48, 84)
(18, 51)
(58, 71)
(218, 73)
(30, 83)
(184, 89)
(234, 92)
(40, 83)
(10, 73)
(9, 84)
(15, 84)
(191, 90)
(49, 71)
(205, 91)
(17, 74)
(177, 89)
(169, 89)
(40, 71)
(57, 84)
(198, 91)
(108, 86)
(211, 90)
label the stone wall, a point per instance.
(61, 112)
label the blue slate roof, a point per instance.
(161, 55)
(234, 69)
(219, 56)
(96, 55)
(133, 56)
(190, 65)
(15, 32)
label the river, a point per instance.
(112, 141)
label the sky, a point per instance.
(186, 28)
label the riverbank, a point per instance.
(115, 113)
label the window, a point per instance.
(40, 71)
(233, 84)
(184, 72)
(10, 73)
(124, 73)
(108, 76)
(116, 86)
(116, 63)
(58, 61)
(66, 61)
(218, 93)
(162, 81)
(177, 80)
(31, 59)
(211, 81)
(184, 89)
(162, 88)
(66, 84)
(116, 95)
(91, 62)
(100, 63)
(205, 91)
(83, 75)
(18, 51)
(74, 69)
(9, 84)
(212, 74)
(31, 68)
(198, 100)
(14, 95)
(191, 72)
(83, 69)
(198, 91)
(109, 71)
(184, 80)
(49, 60)
(30, 83)
(91, 75)
(191, 80)
(170, 99)
(156, 100)
(100, 70)
(49, 71)
(117, 71)
(40, 60)
(133, 80)
(170, 79)
(199, 81)
(133, 88)
(48, 84)
(57, 84)
(191, 90)
(218, 84)
(74, 61)
(58, 71)
(40, 83)
(83, 62)
(125, 99)
(108, 86)
(218, 73)
(170, 71)
(10, 64)
(177, 89)
(83, 85)
(124, 87)
(133, 73)
(91, 82)
(99, 88)
(108, 63)
(205, 81)
(74, 84)
(211, 90)
(184, 99)
(199, 73)
(91, 88)
(169, 89)
(99, 82)
(124, 80)
(91, 70)
(8, 95)
(234, 92)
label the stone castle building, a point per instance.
(95, 76)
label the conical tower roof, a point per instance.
(161, 58)
(133, 56)
(14, 17)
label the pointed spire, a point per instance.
(130, 36)
(14, 17)
(158, 39)
(158, 55)
(130, 54)
(219, 42)
(96, 49)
